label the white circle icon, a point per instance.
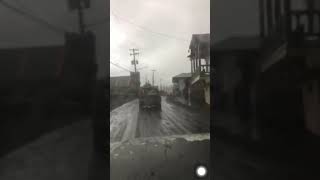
(201, 171)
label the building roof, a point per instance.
(183, 75)
(199, 39)
(120, 81)
(200, 45)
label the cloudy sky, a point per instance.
(161, 30)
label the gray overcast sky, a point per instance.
(134, 24)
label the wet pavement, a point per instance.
(129, 122)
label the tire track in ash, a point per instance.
(199, 122)
(173, 116)
(148, 123)
(179, 117)
(188, 116)
(166, 127)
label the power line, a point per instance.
(34, 18)
(132, 43)
(117, 65)
(120, 67)
(139, 26)
(147, 29)
(142, 67)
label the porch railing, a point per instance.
(202, 70)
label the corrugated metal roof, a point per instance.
(183, 75)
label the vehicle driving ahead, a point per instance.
(149, 97)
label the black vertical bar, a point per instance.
(100, 160)
(269, 16)
(310, 16)
(318, 29)
(287, 8)
(262, 17)
(277, 14)
(80, 14)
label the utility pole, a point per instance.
(153, 77)
(79, 5)
(80, 14)
(134, 62)
(160, 85)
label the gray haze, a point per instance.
(19, 31)
(168, 56)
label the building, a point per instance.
(180, 83)
(269, 76)
(200, 68)
(125, 85)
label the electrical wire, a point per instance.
(117, 65)
(149, 30)
(131, 42)
(34, 18)
(139, 26)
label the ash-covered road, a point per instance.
(128, 121)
